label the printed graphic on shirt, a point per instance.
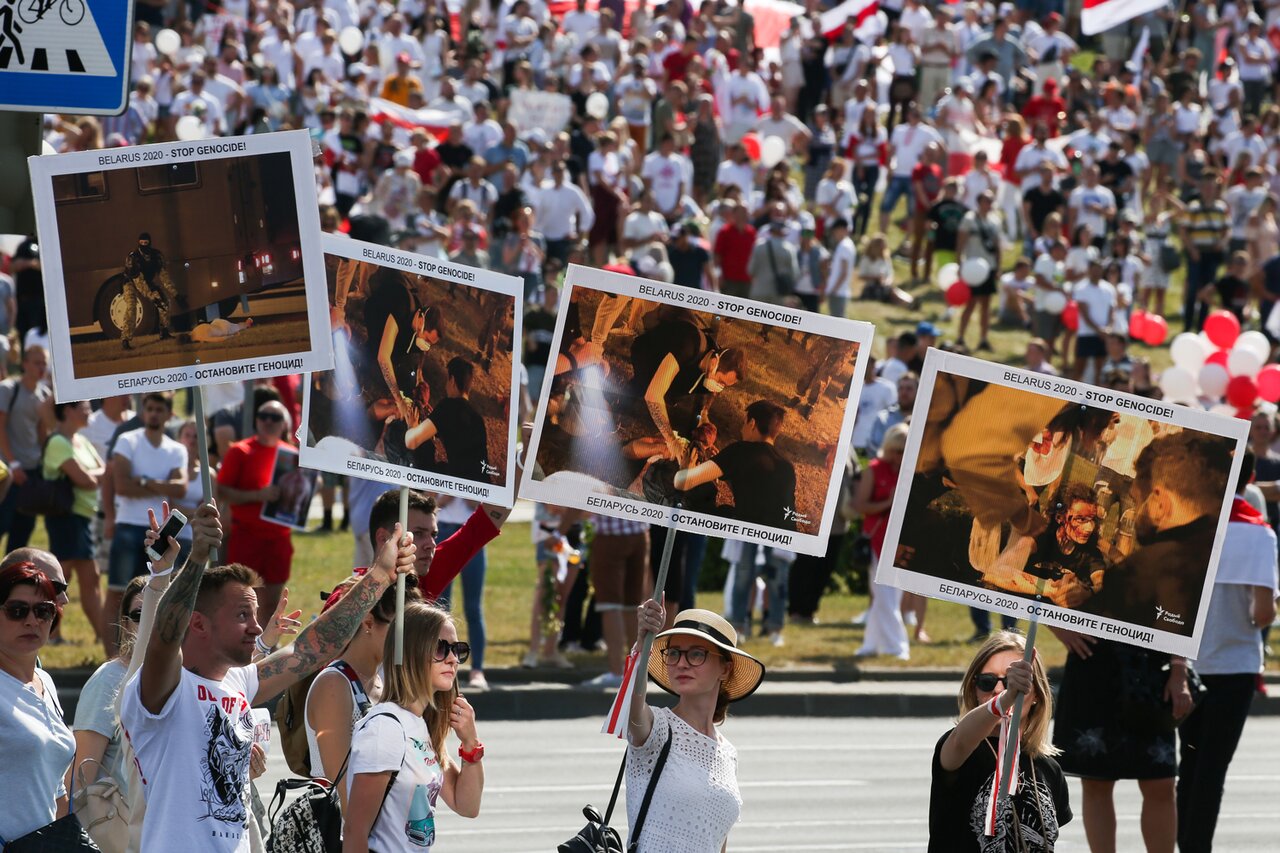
(225, 764)
(420, 828)
(1033, 810)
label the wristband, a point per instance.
(994, 706)
(473, 756)
(156, 574)
(261, 646)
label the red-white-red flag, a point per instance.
(1101, 15)
(859, 10)
(616, 723)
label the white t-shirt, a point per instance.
(877, 396)
(1242, 202)
(581, 25)
(784, 128)
(1053, 272)
(666, 176)
(1029, 160)
(752, 88)
(390, 738)
(644, 226)
(633, 96)
(740, 175)
(96, 712)
(840, 271)
(38, 747)
(1083, 196)
(1095, 300)
(154, 463)
(193, 758)
(1231, 644)
(100, 429)
(908, 143)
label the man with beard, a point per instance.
(144, 272)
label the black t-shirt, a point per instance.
(1234, 293)
(1048, 561)
(460, 428)
(389, 297)
(958, 804)
(1112, 175)
(677, 338)
(688, 264)
(539, 329)
(580, 148)
(763, 483)
(1041, 203)
(455, 156)
(946, 215)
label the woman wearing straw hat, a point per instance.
(695, 801)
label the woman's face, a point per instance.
(444, 672)
(689, 680)
(128, 626)
(25, 636)
(997, 664)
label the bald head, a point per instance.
(42, 560)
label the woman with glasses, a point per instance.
(37, 743)
(963, 816)
(695, 799)
(398, 767)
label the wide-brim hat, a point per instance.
(715, 629)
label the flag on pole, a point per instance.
(1101, 15)
(1140, 51)
(616, 723)
(832, 20)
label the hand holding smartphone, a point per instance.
(172, 526)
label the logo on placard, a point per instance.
(790, 514)
(1163, 615)
(489, 470)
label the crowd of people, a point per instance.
(1074, 184)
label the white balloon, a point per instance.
(597, 105)
(1213, 380)
(351, 40)
(974, 271)
(1055, 302)
(1256, 343)
(1243, 362)
(948, 274)
(189, 128)
(1189, 352)
(772, 150)
(1178, 383)
(168, 42)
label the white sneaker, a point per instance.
(860, 620)
(529, 661)
(558, 661)
(605, 679)
(909, 618)
(777, 639)
(477, 681)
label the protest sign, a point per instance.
(425, 387)
(1116, 505)
(297, 487)
(549, 111)
(718, 414)
(179, 264)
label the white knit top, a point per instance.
(696, 801)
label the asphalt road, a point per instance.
(814, 784)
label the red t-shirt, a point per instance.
(733, 248)
(1045, 108)
(929, 178)
(676, 64)
(456, 551)
(1009, 151)
(248, 465)
(425, 163)
(884, 481)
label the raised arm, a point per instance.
(979, 723)
(326, 637)
(650, 618)
(655, 398)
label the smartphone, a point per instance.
(172, 527)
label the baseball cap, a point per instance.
(924, 327)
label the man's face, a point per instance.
(232, 626)
(270, 421)
(155, 414)
(423, 527)
(907, 392)
(1080, 521)
(35, 364)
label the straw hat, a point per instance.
(715, 629)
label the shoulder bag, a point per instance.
(102, 809)
(597, 836)
(64, 835)
(40, 496)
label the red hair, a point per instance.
(26, 574)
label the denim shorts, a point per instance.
(69, 536)
(898, 186)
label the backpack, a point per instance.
(291, 708)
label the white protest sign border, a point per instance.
(584, 493)
(348, 458)
(215, 197)
(1053, 390)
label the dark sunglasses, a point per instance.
(696, 656)
(461, 651)
(134, 616)
(17, 610)
(271, 417)
(987, 681)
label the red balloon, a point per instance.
(1138, 324)
(1268, 380)
(1155, 330)
(958, 294)
(1071, 316)
(1219, 357)
(1245, 414)
(751, 143)
(1222, 328)
(1242, 392)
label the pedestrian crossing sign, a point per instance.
(65, 56)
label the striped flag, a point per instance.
(435, 122)
(859, 10)
(616, 723)
(1101, 15)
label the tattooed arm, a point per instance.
(326, 637)
(162, 666)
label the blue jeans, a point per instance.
(472, 597)
(694, 550)
(981, 620)
(16, 524)
(128, 558)
(1199, 274)
(899, 186)
(775, 572)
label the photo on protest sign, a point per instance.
(1108, 506)
(718, 414)
(425, 387)
(180, 264)
(297, 487)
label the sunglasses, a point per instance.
(271, 417)
(695, 656)
(17, 610)
(461, 651)
(134, 616)
(987, 681)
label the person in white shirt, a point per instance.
(878, 395)
(938, 51)
(980, 179)
(580, 23)
(634, 94)
(563, 213)
(1049, 275)
(906, 144)
(748, 96)
(1091, 204)
(1093, 141)
(844, 257)
(483, 132)
(643, 224)
(394, 41)
(904, 55)
(1036, 358)
(1242, 200)
(1255, 59)
(1246, 140)
(1027, 166)
(328, 59)
(474, 188)
(1096, 301)
(791, 130)
(666, 174)
(197, 102)
(737, 171)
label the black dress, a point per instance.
(958, 804)
(1109, 715)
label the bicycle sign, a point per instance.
(65, 56)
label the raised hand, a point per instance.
(650, 617)
(169, 553)
(206, 532)
(281, 623)
(396, 556)
(462, 719)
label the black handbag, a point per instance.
(39, 496)
(64, 835)
(597, 836)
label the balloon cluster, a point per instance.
(1222, 363)
(957, 281)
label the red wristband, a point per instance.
(473, 756)
(994, 706)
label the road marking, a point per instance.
(763, 783)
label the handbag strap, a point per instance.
(394, 773)
(357, 687)
(648, 793)
(617, 785)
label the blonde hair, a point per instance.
(411, 682)
(895, 438)
(877, 240)
(1035, 716)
